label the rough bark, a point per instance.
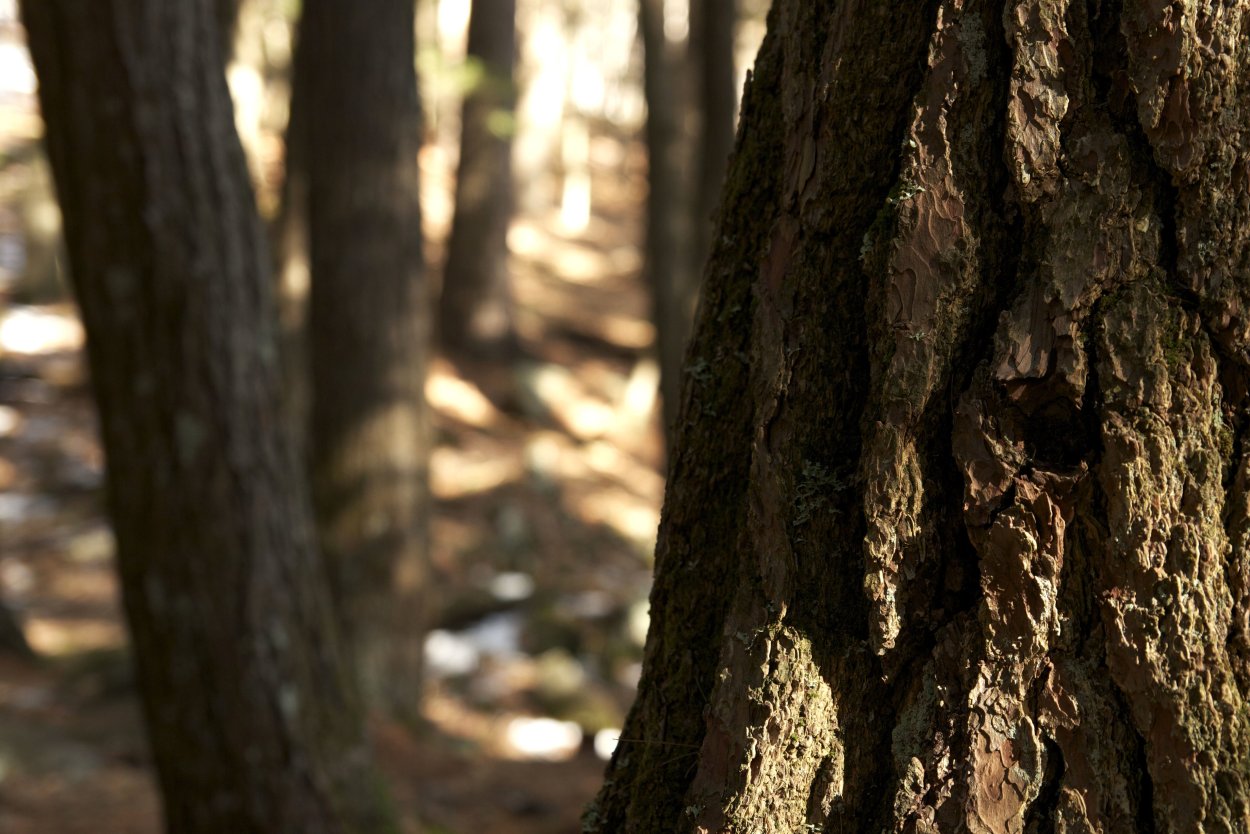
(668, 243)
(956, 531)
(475, 310)
(367, 332)
(251, 713)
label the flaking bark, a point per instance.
(969, 388)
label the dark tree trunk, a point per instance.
(12, 638)
(712, 29)
(957, 532)
(367, 331)
(253, 719)
(227, 16)
(475, 312)
(668, 239)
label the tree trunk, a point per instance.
(12, 638)
(957, 527)
(668, 239)
(475, 312)
(367, 332)
(253, 721)
(712, 29)
(288, 235)
(227, 16)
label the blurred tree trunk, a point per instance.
(712, 29)
(254, 722)
(12, 639)
(668, 236)
(475, 311)
(227, 15)
(957, 533)
(368, 331)
(289, 236)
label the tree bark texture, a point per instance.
(367, 331)
(957, 526)
(251, 712)
(668, 247)
(475, 310)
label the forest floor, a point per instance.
(547, 481)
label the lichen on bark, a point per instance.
(1167, 607)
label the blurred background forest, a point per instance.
(561, 285)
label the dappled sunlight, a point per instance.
(633, 518)
(583, 265)
(566, 398)
(640, 479)
(542, 738)
(576, 314)
(438, 179)
(507, 736)
(457, 473)
(459, 399)
(38, 330)
(572, 261)
(15, 69)
(576, 263)
(64, 637)
(575, 198)
(10, 421)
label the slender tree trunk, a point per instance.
(288, 235)
(253, 719)
(712, 29)
(957, 533)
(668, 238)
(227, 16)
(475, 312)
(367, 331)
(12, 639)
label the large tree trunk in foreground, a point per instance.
(252, 716)
(475, 310)
(367, 331)
(956, 530)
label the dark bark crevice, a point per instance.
(1041, 816)
(1237, 527)
(1138, 763)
